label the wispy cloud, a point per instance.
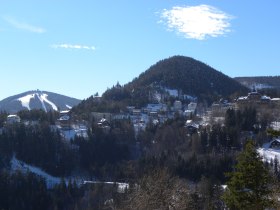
(24, 26)
(73, 46)
(197, 22)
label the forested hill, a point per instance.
(189, 75)
(185, 74)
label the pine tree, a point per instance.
(249, 184)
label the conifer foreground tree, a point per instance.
(249, 186)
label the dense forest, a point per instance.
(164, 160)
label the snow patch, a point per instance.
(267, 153)
(42, 102)
(44, 98)
(68, 107)
(25, 100)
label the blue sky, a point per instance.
(78, 48)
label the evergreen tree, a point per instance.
(248, 187)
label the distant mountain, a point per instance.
(37, 99)
(260, 82)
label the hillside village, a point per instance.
(158, 113)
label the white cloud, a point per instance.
(73, 46)
(197, 22)
(24, 26)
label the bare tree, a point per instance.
(158, 190)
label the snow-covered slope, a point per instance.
(22, 166)
(25, 101)
(37, 100)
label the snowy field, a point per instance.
(269, 154)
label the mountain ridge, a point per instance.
(260, 82)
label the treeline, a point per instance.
(38, 115)
(38, 145)
(23, 191)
